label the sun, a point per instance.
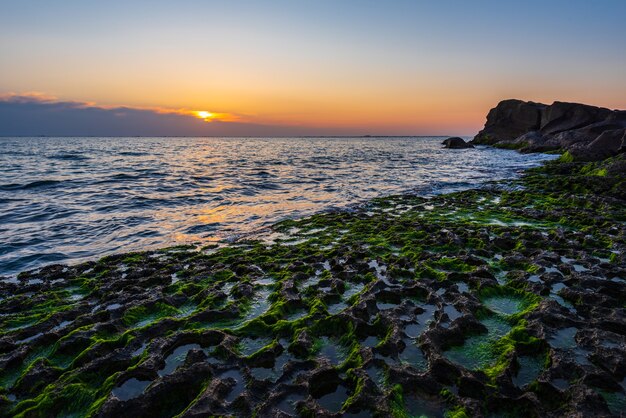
(203, 114)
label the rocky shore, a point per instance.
(507, 300)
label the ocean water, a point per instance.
(74, 199)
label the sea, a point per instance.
(67, 200)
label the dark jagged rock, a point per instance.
(509, 120)
(563, 116)
(456, 143)
(590, 133)
(608, 143)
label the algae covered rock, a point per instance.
(501, 301)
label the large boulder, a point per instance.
(534, 141)
(510, 119)
(456, 143)
(588, 132)
(607, 144)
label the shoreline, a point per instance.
(522, 286)
(67, 218)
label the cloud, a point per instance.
(35, 114)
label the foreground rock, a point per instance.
(456, 143)
(589, 133)
(504, 301)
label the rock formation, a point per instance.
(456, 143)
(589, 133)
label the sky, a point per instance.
(295, 67)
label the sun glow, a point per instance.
(203, 114)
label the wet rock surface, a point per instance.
(508, 300)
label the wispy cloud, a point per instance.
(42, 98)
(34, 113)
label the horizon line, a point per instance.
(232, 136)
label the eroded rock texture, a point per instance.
(504, 301)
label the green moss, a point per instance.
(452, 264)
(566, 157)
(140, 316)
(458, 412)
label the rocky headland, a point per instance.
(587, 133)
(508, 300)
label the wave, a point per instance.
(32, 185)
(69, 157)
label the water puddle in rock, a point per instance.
(553, 270)
(529, 369)
(130, 389)
(501, 276)
(288, 403)
(61, 326)
(370, 341)
(294, 316)
(265, 281)
(227, 287)
(452, 312)
(336, 307)
(616, 401)
(272, 373)
(564, 339)
(353, 290)
(311, 281)
(113, 306)
(377, 375)
(463, 287)
(332, 351)
(249, 346)
(421, 407)
(414, 330)
(477, 351)
(140, 350)
(379, 268)
(556, 288)
(413, 355)
(561, 384)
(260, 304)
(177, 358)
(504, 305)
(383, 306)
(240, 383)
(75, 293)
(147, 320)
(332, 402)
(26, 340)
